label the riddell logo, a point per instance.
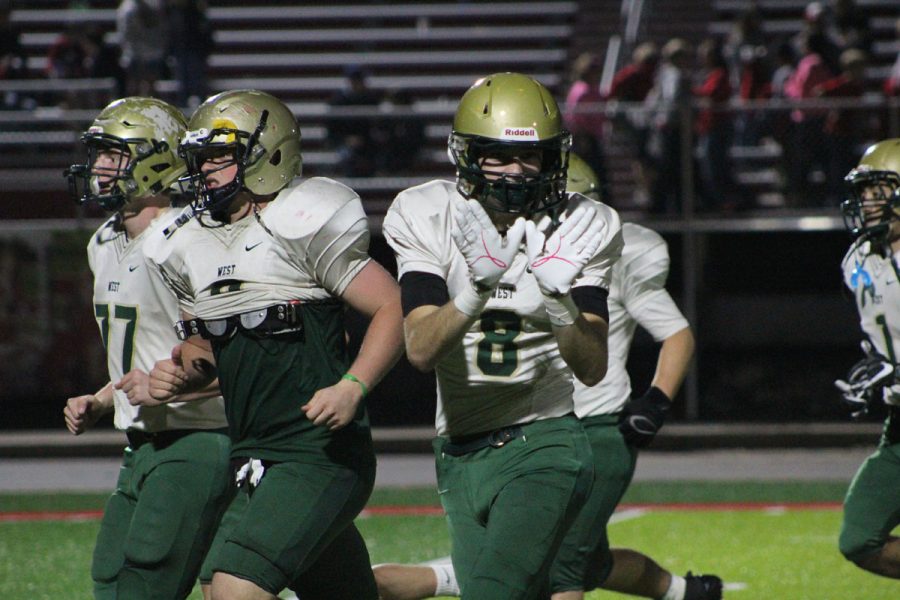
(529, 132)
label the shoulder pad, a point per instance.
(858, 251)
(639, 239)
(427, 197)
(302, 209)
(160, 239)
(105, 233)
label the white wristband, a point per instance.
(561, 310)
(470, 302)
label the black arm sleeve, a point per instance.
(420, 289)
(591, 299)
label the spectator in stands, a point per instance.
(401, 135)
(353, 136)
(755, 83)
(892, 83)
(102, 60)
(12, 58)
(634, 81)
(849, 27)
(845, 128)
(632, 84)
(785, 64)
(714, 129)
(190, 44)
(584, 115)
(142, 36)
(82, 52)
(808, 149)
(816, 22)
(780, 123)
(670, 100)
(746, 33)
(65, 57)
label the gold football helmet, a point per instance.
(132, 153)
(582, 178)
(509, 114)
(874, 192)
(257, 131)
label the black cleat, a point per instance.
(702, 587)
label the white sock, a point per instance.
(446, 579)
(676, 590)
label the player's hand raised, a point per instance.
(488, 254)
(558, 260)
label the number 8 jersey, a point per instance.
(508, 369)
(135, 312)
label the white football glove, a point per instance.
(487, 253)
(558, 260)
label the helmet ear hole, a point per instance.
(276, 158)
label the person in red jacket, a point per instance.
(714, 129)
(631, 84)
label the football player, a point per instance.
(264, 266)
(870, 272)
(616, 427)
(174, 480)
(505, 326)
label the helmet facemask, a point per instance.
(526, 193)
(871, 208)
(222, 148)
(111, 183)
(131, 154)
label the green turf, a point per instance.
(784, 556)
(777, 556)
(639, 492)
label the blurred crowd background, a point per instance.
(726, 125)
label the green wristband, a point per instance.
(350, 377)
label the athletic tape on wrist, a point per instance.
(561, 310)
(470, 302)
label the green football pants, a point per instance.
(584, 560)
(159, 522)
(872, 504)
(508, 508)
(295, 529)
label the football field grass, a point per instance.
(768, 541)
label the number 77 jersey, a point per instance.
(508, 369)
(135, 312)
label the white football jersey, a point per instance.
(136, 311)
(874, 282)
(509, 369)
(637, 296)
(308, 244)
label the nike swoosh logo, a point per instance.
(249, 248)
(130, 269)
(443, 491)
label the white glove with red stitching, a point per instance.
(487, 253)
(558, 260)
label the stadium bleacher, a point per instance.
(432, 50)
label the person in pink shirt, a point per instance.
(583, 114)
